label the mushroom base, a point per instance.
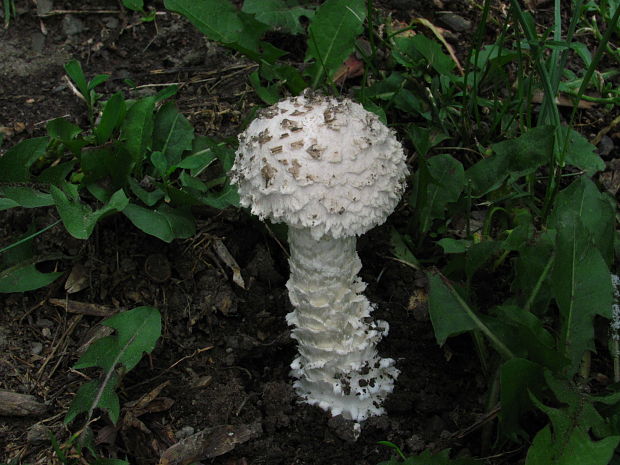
(338, 367)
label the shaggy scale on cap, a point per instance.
(322, 163)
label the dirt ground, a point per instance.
(225, 352)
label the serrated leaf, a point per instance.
(164, 222)
(95, 395)
(511, 160)
(137, 128)
(137, 332)
(15, 163)
(332, 33)
(447, 178)
(277, 14)
(173, 133)
(79, 219)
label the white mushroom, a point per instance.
(331, 171)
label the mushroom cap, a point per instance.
(322, 163)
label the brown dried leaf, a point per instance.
(209, 443)
(224, 255)
(77, 279)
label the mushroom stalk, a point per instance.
(338, 367)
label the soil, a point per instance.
(223, 358)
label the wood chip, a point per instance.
(209, 443)
(20, 405)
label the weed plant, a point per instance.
(507, 221)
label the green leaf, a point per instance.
(511, 160)
(332, 33)
(451, 315)
(277, 14)
(197, 161)
(269, 94)
(135, 5)
(16, 162)
(149, 198)
(518, 377)
(74, 70)
(581, 285)
(137, 128)
(24, 277)
(229, 26)
(423, 139)
(137, 332)
(164, 222)
(595, 209)
(26, 197)
(173, 133)
(580, 152)
(91, 396)
(447, 178)
(111, 118)
(63, 130)
(402, 249)
(567, 441)
(406, 51)
(79, 219)
(450, 245)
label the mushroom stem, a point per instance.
(338, 368)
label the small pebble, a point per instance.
(184, 432)
(455, 22)
(72, 25)
(38, 434)
(37, 348)
(46, 333)
(605, 146)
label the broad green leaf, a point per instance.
(581, 285)
(94, 395)
(220, 21)
(407, 51)
(451, 315)
(15, 163)
(24, 277)
(164, 222)
(173, 133)
(511, 160)
(268, 94)
(26, 197)
(111, 117)
(423, 139)
(137, 128)
(595, 209)
(135, 5)
(332, 34)
(532, 273)
(450, 245)
(278, 14)
(197, 161)
(160, 163)
(149, 198)
(479, 254)
(74, 70)
(56, 174)
(518, 377)
(447, 179)
(579, 152)
(402, 250)
(79, 219)
(62, 130)
(227, 197)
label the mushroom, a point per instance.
(331, 171)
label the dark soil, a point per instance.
(225, 351)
